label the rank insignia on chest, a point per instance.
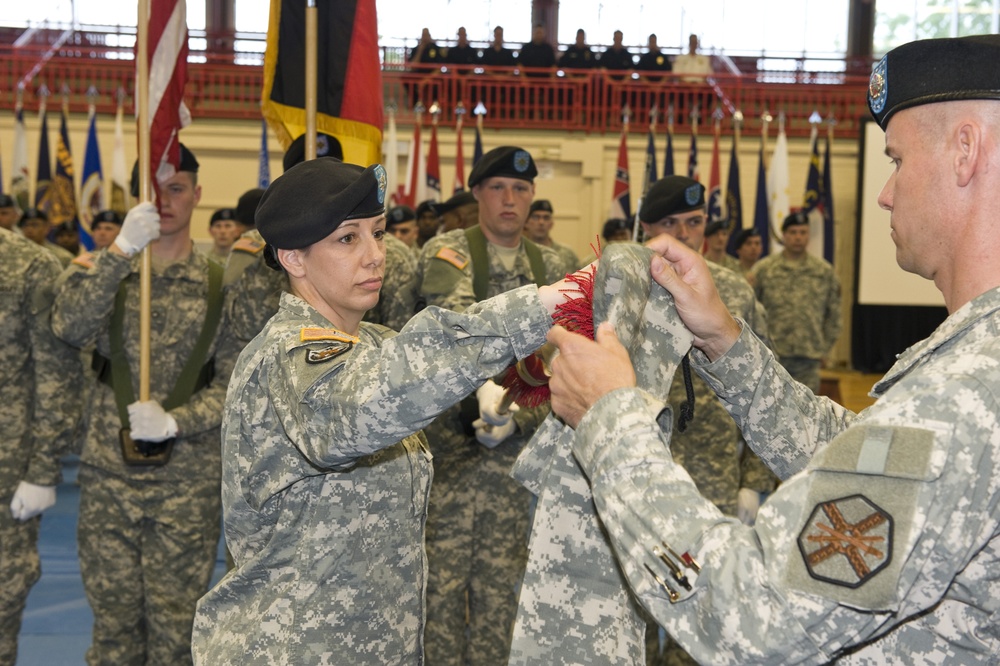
(453, 257)
(846, 541)
(328, 353)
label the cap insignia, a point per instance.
(381, 178)
(522, 160)
(692, 193)
(877, 86)
(322, 145)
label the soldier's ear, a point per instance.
(292, 262)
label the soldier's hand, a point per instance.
(30, 500)
(492, 409)
(141, 225)
(150, 422)
(684, 273)
(490, 435)
(747, 504)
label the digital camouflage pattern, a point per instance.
(478, 521)
(39, 389)
(802, 299)
(326, 480)
(727, 261)
(574, 607)
(85, 296)
(570, 262)
(925, 455)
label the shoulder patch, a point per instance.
(86, 260)
(313, 334)
(846, 541)
(328, 353)
(248, 245)
(453, 257)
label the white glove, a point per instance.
(490, 395)
(150, 422)
(142, 225)
(490, 435)
(30, 500)
(747, 503)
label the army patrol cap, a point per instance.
(222, 215)
(399, 215)
(506, 161)
(671, 196)
(188, 163)
(326, 146)
(106, 217)
(463, 198)
(309, 201)
(934, 70)
(540, 204)
(745, 235)
(798, 218)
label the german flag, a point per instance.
(349, 77)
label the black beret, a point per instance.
(188, 163)
(459, 199)
(670, 196)
(109, 216)
(540, 204)
(797, 218)
(221, 215)
(507, 161)
(934, 70)
(247, 206)
(309, 201)
(745, 235)
(425, 207)
(32, 214)
(7, 201)
(398, 215)
(615, 224)
(715, 226)
(326, 146)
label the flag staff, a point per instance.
(310, 57)
(145, 194)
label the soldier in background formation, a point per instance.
(538, 229)
(34, 225)
(460, 211)
(477, 522)
(748, 246)
(148, 528)
(9, 213)
(224, 231)
(716, 237)
(104, 228)
(39, 387)
(802, 296)
(401, 222)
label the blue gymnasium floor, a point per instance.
(55, 630)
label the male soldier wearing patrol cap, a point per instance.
(802, 296)
(478, 517)
(39, 377)
(538, 229)
(881, 544)
(710, 447)
(326, 476)
(148, 527)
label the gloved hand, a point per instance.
(490, 395)
(142, 225)
(30, 500)
(491, 435)
(150, 422)
(747, 503)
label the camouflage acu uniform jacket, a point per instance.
(324, 504)
(802, 299)
(39, 374)
(570, 261)
(85, 298)
(884, 533)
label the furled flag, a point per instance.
(264, 164)
(668, 156)
(734, 200)
(92, 183)
(811, 199)
(693, 156)
(459, 158)
(412, 190)
(43, 177)
(477, 150)
(433, 177)
(649, 172)
(62, 192)
(761, 220)
(777, 185)
(826, 202)
(391, 148)
(349, 75)
(621, 205)
(714, 199)
(20, 180)
(121, 199)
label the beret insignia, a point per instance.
(322, 145)
(381, 178)
(877, 86)
(846, 541)
(692, 194)
(522, 160)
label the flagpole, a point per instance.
(146, 262)
(310, 101)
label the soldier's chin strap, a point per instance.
(687, 409)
